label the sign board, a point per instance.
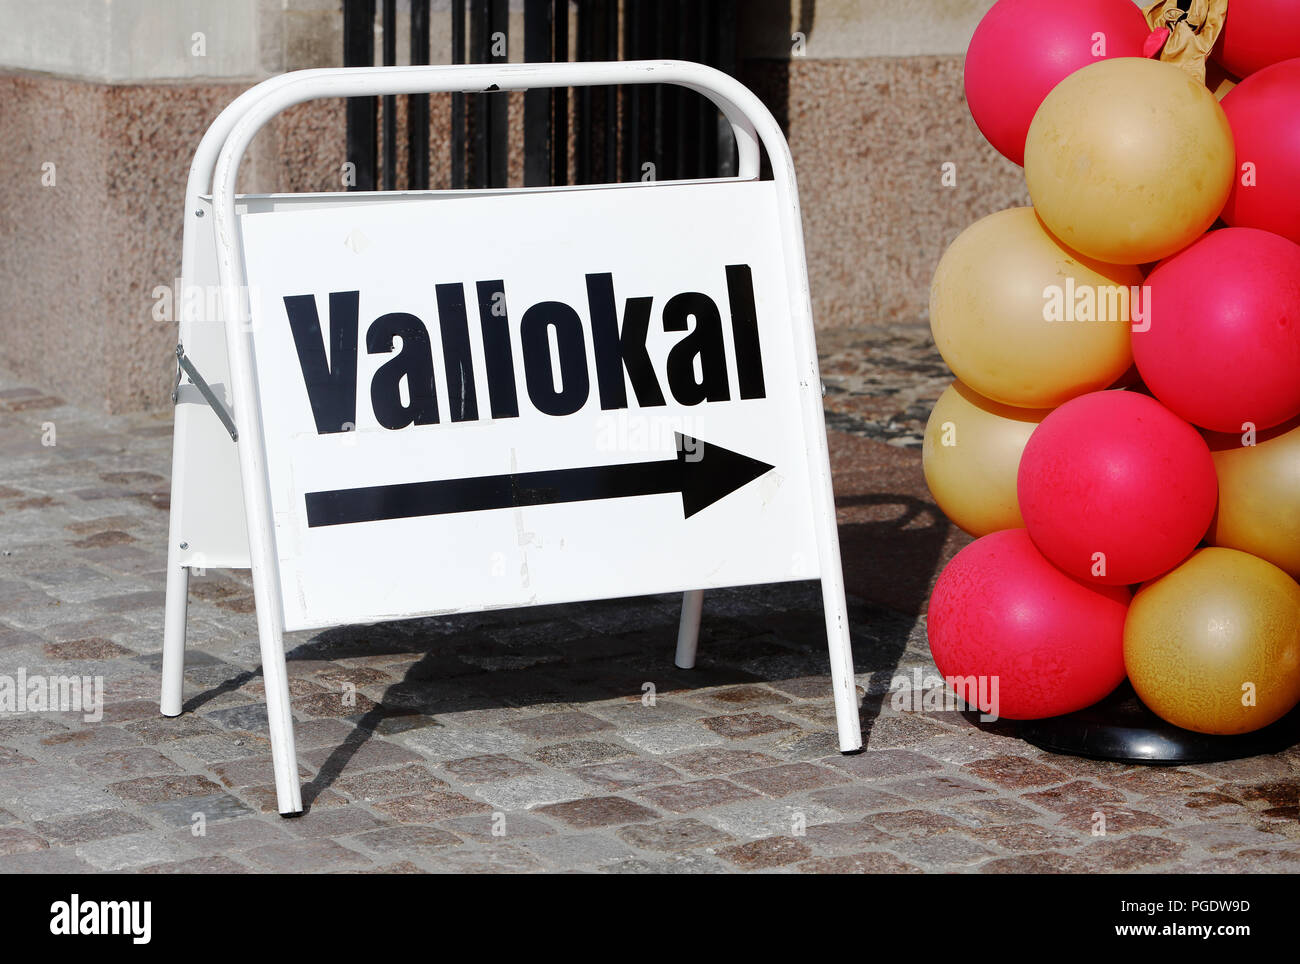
(531, 398)
(452, 401)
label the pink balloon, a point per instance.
(1114, 488)
(1024, 48)
(1000, 611)
(1257, 33)
(1222, 346)
(1264, 112)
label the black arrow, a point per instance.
(702, 473)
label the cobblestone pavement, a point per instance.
(522, 741)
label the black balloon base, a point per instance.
(1120, 728)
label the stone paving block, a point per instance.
(525, 793)
(79, 828)
(761, 817)
(356, 757)
(1133, 852)
(1114, 817)
(579, 753)
(721, 761)
(454, 743)
(634, 714)
(306, 856)
(430, 806)
(55, 799)
(120, 764)
(672, 864)
(767, 852)
(696, 795)
(247, 716)
(673, 836)
(857, 798)
(497, 826)
(1050, 862)
(560, 852)
(380, 784)
(937, 786)
(211, 864)
(557, 726)
(10, 757)
(505, 858)
(232, 836)
(1268, 793)
(16, 840)
(805, 746)
(405, 841)
(874, 862)
(1221, 836)
(61, 860)
(132, 851)
(781, 781)
(914, 823)
(943, 851)
(147, 790)
(848, 838)
(598, 812)
(1015, 772)
(1024, 837)
(670, 737)
(488, 768)
(188, 810)
(624, 774)
(742, 726)
(1066, 799)
(337, 822)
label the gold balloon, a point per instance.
(971, 456)
(1010, 309)
(1129, 160)
(1259, 494)
(1214, 646)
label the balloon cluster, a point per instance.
(1123, 437)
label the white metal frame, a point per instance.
(215, 166)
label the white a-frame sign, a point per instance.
(454, 401)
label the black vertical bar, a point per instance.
(359, 51)
(458, 99)
(703, 132)
(499, 104)
(390, 102)
(609, 172)
(417, 105)
(665, 100)
(726, 62)
(537, 101)
(632, 93)
(488, 24)
(560, 97)
(684, 39)
(582, 133)
(478, 46)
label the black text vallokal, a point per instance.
(618, 347)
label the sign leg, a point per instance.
(288, 791)
(841, 654)
(688, 631)
(173, 652)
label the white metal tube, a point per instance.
(753, 123)
(688, 630)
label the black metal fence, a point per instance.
(602, 134)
